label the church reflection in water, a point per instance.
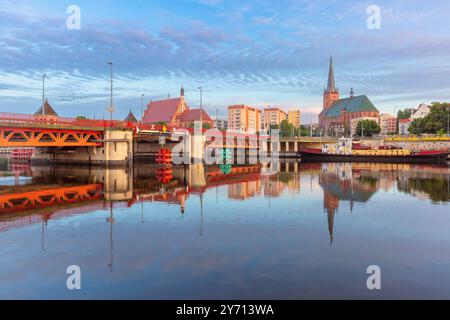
(30, 195)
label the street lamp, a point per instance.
(43, 92)
(142, 107)
(201, 106)
(111, 107)
(217, 119)
(448, 121)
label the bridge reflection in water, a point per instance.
(60, 192)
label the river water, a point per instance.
(308, 231)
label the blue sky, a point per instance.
(253, 52)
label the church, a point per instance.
(338, 114)
(175, 112)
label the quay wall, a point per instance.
(420, 145)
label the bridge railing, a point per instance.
(27, 120)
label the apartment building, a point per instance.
(388, 124)
(244, 118)
(273, 116)
(294, 118)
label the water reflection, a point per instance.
(57, 192)
(206, 196)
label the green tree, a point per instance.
(438, 118)
(274, 126)
(417, 127)
(286, 129)
(404, 114)
(303, 131)
(370, 128)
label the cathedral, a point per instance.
(337, 114)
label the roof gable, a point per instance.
(352, 104)
(161, 111)
(48, 110)
(422, 108)
(130, 117)
(194, 115)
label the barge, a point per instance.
(347, 151)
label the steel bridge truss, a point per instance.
(24, 137)
(49, 197)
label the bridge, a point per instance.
(75, 141)
(25, 130)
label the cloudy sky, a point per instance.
(257, 52)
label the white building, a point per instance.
(403, 126)
(421, 112)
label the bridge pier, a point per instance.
(116, 150)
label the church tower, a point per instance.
(331, 93)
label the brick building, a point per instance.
(175, 112)
(337, 114)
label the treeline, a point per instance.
(288, 130)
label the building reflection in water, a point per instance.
(58, 192)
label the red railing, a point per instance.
(19, 119)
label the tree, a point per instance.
(286, 129)
(404, 114)
(274, 126)
(438, 117)
(303, 131)
(435, 122)
(417, 126)
(370, 128)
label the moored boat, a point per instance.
(346, 151)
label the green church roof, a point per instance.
(352, 104)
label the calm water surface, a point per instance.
(310, 231)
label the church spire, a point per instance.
(331, 86)
(182, 91)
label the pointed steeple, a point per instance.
(182, 91)
(331, 86)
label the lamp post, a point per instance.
(111, 108)
(201, 106)
(448, 121)
(142, 107)
(396, 120)
(217, 119)
(43, 92)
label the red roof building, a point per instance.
(188, 117)
(175, 112)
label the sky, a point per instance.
(259, 52)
